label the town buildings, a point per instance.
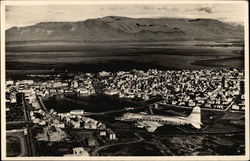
(204, 88)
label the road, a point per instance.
(41, 103)
(229, 107)
(95, 152)
(27, 118)
(18, 122)
(31, 145)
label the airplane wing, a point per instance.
(150, 126)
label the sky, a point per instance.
(25, 15)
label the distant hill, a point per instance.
(113, 28)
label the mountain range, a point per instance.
(115, 28)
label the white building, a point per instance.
(77, 112)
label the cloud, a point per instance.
(160, 8)
(205, 9)
(19, 15)
(167, 9)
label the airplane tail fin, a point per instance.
(196, 125)
(195, 117)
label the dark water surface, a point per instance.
(120, 56)
(95, 103)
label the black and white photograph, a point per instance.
(124, 80)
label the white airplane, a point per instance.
(151, 122)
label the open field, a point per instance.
(13, 146)
(16, 143)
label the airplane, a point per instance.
(152, 122)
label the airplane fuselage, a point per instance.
(174, 120)
(151, 122)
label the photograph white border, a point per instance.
(96, 2)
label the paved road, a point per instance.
(27, 118)
(41, 103)
(95, 152)
(30, 142)
(18, 122)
